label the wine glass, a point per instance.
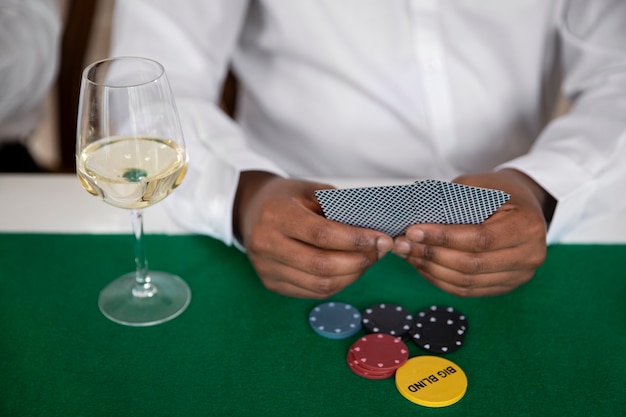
(130, 153)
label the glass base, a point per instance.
(118, 303)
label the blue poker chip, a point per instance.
(335, 320)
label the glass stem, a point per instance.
(143, 286)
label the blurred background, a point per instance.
(86, 33)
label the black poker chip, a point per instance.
(389, 319)
(439, 329)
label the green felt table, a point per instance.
(554, 347)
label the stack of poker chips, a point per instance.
(377, 356)
(382, 352)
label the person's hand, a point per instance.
(491, 258)
(294, 249)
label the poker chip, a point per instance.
(390, 319)
(439, 329)
(431, 381)
(377, 355)
(354, 365)
(335, 320)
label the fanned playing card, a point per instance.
(391, 209)
(388, 209)
(470, 205)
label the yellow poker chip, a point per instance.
(431, 381)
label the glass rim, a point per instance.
(88, 68)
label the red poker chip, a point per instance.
(353, 362)
(379, 352)
(366, 373)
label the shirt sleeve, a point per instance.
(578, 157)
(195, 44)
(29, 35)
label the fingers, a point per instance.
(497, 289)
(309, 259)
(476, 260)
(471, 275)
(298, 269)
(285, 279)
(298, 252)
(476, 255)
(298, 222)
(507, 228)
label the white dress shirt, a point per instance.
(406, 89)
(29, 41)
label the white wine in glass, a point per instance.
(130, 153)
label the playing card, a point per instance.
(428, 204)
(470, 205)
(388, 209)
(391, 209)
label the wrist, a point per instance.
(250, 182)
(544, 199)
